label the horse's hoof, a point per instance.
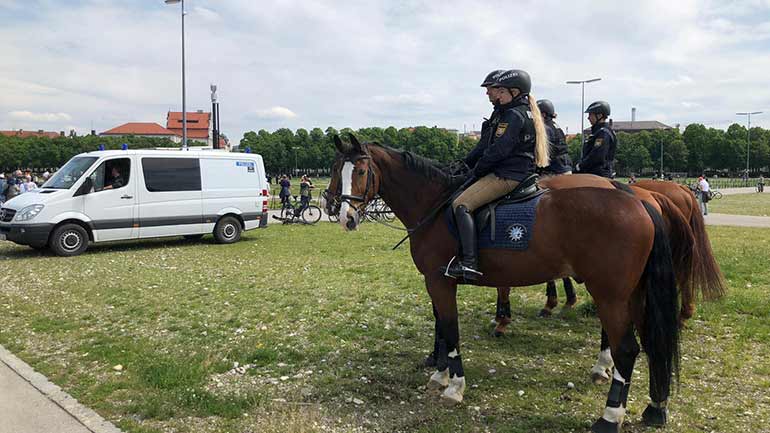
(604, 426)
(439, 380)
(544, 313)
(453, 394)
(600, 376)
(654, 416)
(430, 361)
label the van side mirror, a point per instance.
(85, 188)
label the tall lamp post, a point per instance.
(184, 99)
(748, 137)
(296, 170)
(582, 108)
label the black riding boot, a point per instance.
(466, 266)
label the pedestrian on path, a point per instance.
(704, 194)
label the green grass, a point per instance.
(323, 317)
(742, 204)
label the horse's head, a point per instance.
(354, 182)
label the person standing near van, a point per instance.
(285, 190)
(305, 186)
(3, 186)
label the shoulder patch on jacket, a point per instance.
(598, 142)
(501, 129)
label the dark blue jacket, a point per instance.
(507, 144)
(560, 160)
(599, 151)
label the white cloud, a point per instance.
(405, 99)
(275, 113)
(39, 117)
(206, 14)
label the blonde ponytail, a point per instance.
(542, 158)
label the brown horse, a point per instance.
(612, 241)
(703, 275)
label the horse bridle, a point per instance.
(349, 198)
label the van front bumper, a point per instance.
(26, 234)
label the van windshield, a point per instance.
(70, 173)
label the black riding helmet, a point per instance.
(546, 108)
(492, 77)
(514, 79)
(599, 107)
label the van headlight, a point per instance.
(29, 212)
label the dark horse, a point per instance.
(612, 241)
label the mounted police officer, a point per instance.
(599, 147)
(512, 140)
(559, 152)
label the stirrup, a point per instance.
(466, 273)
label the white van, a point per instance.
(133, 194)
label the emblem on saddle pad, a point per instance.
(516, 232)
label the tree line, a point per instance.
(696, 150)
(46, 153)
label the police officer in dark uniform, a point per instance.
(599, 148)
(504, 156)
(559, 153)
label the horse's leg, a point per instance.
(569, 290)
(552, 299)
(503, 312)
(443, 292)
(625, 349)
(602, 369)
(430, 360)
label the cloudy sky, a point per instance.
(78, 64)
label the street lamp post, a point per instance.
(184, 99)
(296, 170)
(582, 108)
(748, 138)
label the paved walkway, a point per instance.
(722, 219)
(29, 403)
(742, 190)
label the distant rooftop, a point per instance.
(39, 133)
(140, 128)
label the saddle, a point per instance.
(526, 190)
(505, 222)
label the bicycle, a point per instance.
(378, 210)
(715, 195)
(309, 215)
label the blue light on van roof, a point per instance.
(124, 146)
(101, 147)
(248, 150)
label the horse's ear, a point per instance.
(357, 147)
(339, 144)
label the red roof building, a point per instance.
(142, 129)
(39, 133)
(198, 125)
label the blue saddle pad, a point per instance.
(512, 226)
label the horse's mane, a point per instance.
(427, 167)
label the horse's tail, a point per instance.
(660, 332)
(682, 242)
(707, 276)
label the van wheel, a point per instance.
(193, 237)
(227, 230)
(69, 240)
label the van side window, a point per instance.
(171, 174)
(112, 174)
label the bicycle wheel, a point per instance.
(311, 214)
(717, 195)
(287, 212)
(386, 213)
(333, 218)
